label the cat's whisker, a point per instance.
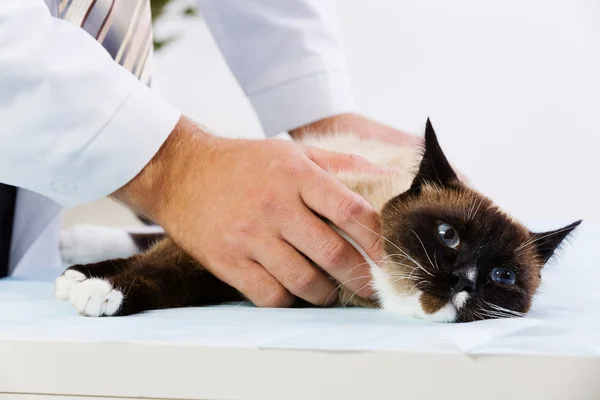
(416, 286)
(354, 294)
(490, 314)
(417, 264)
(390, 242)
(526, 245)
(392, 275)
(115, 265)
(395, 255)
(535, 239)
(367, 262)
(476, 313)
(375, 233)
(378, 263)
(471, 207)
(239, 304)
(400, 264)
(497, 307)
(356, 266)
(494, 312)
(132, 282)
(475, 212)
(499, 314)
(424, 249)
(413, 269)
(412, 291)
(408, 257)
(481, 316)
(434, 259)
(507, 313)
(399, 278)
(344, 283)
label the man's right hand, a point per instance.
(248, 211)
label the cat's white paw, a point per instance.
(95, 297)
(83, 244)
(64, 283)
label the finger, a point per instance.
(336, 162)
(254, 282)
(346, 209)
(295, 272)
(326, 248)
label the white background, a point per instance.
(513, 91)
(512, 88)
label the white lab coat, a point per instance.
(76, 126)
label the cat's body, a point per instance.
(450, 253)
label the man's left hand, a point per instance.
(365, 128)
(360, 125)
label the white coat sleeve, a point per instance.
(75, 126)
(287, 56)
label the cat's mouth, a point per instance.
(445, 290)
(432, 299)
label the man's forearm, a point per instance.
(286, 55)
(150, 191)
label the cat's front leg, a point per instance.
(90, 288)
(164, 277)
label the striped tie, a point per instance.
(123, 27)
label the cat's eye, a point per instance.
(503, 276)
(448, 235)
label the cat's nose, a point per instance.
(464, 280)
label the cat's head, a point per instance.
(452, 254)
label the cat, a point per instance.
(451, 254)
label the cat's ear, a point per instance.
(434, 167)
(546, 243)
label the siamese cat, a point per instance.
(450, 253)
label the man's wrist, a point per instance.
(150, 191)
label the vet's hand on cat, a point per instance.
(365, 127)
(248, 209)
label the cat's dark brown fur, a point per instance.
(161, 277)
(451, 254)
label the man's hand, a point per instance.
(249, 212)
(359, 125)
(363, 127)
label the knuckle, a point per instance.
(306, 281)
(376, 247)
(277, 298)
(293, 169)
(334, 252)
(268, 202)
(351, 208)
(244, 227)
